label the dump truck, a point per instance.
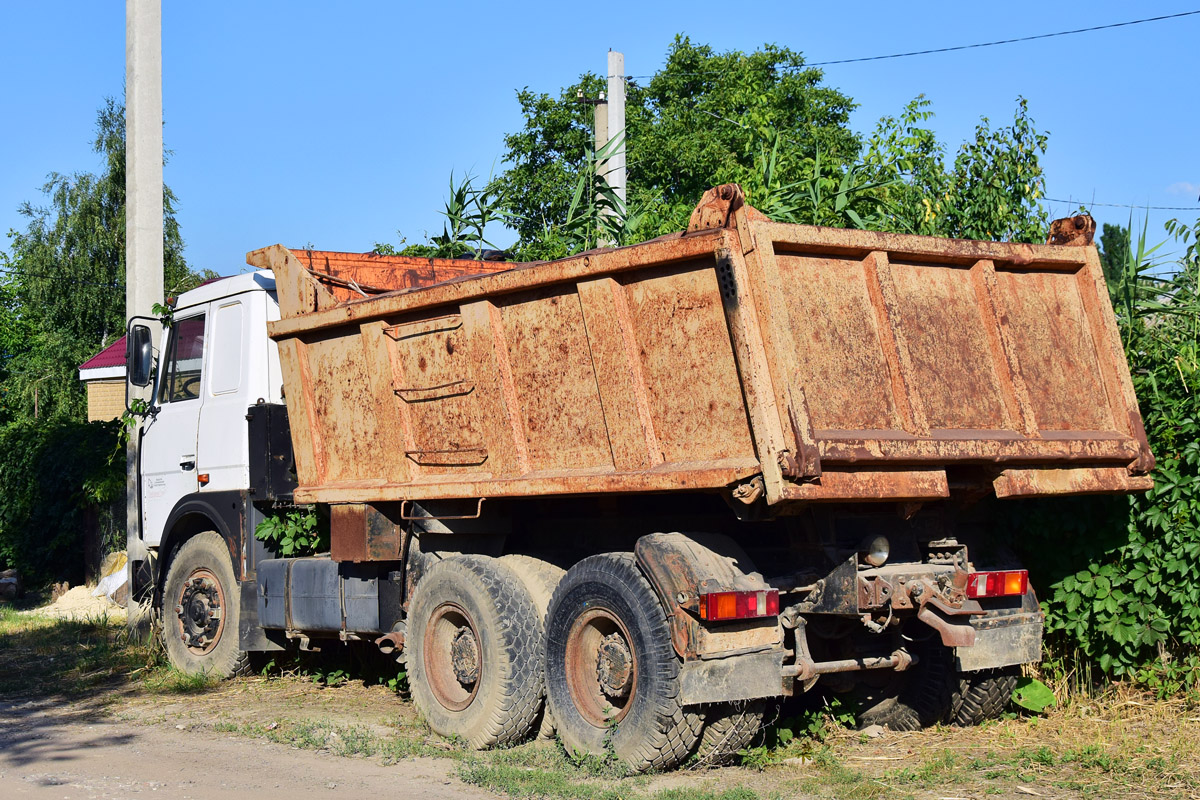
(637, 495)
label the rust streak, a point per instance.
(310, 408)
(1018, 410)
(625, 322)
(508, 388)
(745, 330)
(1098, 338)
(891, 338)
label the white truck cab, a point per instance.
(216, 362)
(203, 485)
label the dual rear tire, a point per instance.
(488, 642)
(475, 641)
(933, 692)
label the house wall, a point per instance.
(106, 399)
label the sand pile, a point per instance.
(78, 603)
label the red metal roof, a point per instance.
(111, 356)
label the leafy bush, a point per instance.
(296, 532)
(50, 472)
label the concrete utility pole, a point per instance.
(616, 122)
(143, 210)
(601, 125)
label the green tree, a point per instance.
(992, 190)
(701, 120)
(62, 294)
(765, 121)
(1114, 243)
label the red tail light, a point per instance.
(718, 606)
(998, 584)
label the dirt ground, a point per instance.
(83, 750)
(86, 714)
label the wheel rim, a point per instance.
(602, 670)
(200, 611)
(453, 656)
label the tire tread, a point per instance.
(981, 696)
(666, 735)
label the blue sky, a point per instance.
(338, 124)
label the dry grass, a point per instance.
(1121, 744)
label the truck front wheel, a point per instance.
(201, 604)
(475, 638)
(612, 676)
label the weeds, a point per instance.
(537, 771)
(169, 680)
(342, 740)
(799, 736)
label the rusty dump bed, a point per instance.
(780, 362)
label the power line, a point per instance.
(956, 47)
(1123, 205)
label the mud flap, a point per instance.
(748, 676)
(1002, 642)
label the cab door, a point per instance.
(222, 444)
(168, 447)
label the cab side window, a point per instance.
(185, 358)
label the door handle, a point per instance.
(187, 466)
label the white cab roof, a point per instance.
(261, 280)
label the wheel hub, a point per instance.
(601, 666)
(200, 611)
(452, 656)
(464, 656)
(614, 666)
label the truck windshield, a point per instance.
(181, 380)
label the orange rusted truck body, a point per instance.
(780, 364)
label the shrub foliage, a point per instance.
(51, 471)
(1120, 577)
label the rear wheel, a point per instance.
(728, 729)
(475, 664)
(913, 699)
(981, 696)
(541, 579)
(201, 605)
(612, 676)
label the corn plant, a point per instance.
(468, 211)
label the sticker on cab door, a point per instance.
(155, 487)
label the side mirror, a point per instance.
(139, 355)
